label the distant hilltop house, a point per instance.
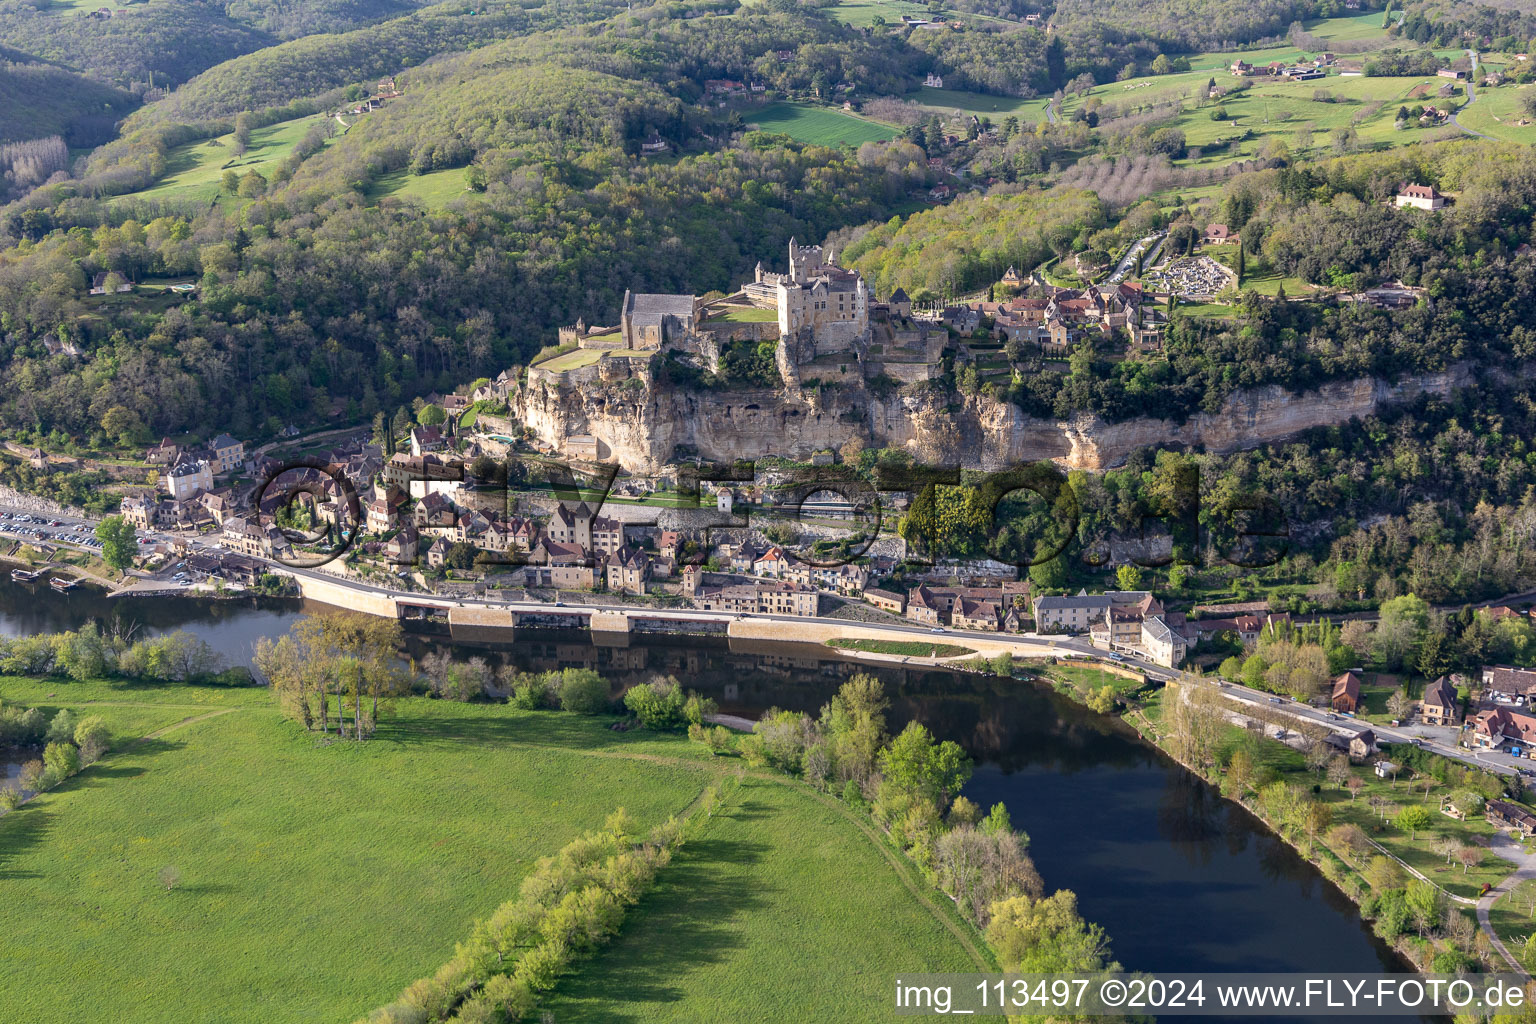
(1217, 234)
(934, 81)
(654, 145)
(109, 282)
(1420, 197)
(1454, 73)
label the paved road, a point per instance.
(1142, 245)
(1525, 868)
(1471, 99)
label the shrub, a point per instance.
(93, 738)
(583, 691)
(62, 728)
(62, 760)
(658, 704)
(10, 797)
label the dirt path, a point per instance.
(191, 720)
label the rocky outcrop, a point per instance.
(643, 425)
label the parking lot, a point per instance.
(48, 530)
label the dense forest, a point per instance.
(970, 243)
(278, 75)
(1177, 26)
(38, 100)
(315, 301)
(148, 45)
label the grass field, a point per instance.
(744, 315)
(584, 357)
(435, 188)
(746, 892)
(905, 648)
(1292, 111)
(819, 125)
(328, 877)
(74, 7)
(194, 171)
(947, 101)
(1498, 112)
(862, 13)
(1417, 851)
(1511, 915)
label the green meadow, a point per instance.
(324, 878)
(435, 188)
(194, 171)
(819, 125)
(947, 101)
(769, 915)
(1499, 111)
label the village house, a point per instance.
(1346, 693)
(250, 537)
(1217, 234)
(772, 562)
(188, 477)
(1503, 814)
(1164, 645)
(886, 600)
(102, 283)
(1362, 745)
(978, 615)
(228, 454)
(427, 439)
(626, 570)
(778, 598)
(402, 548)
(1508, 685)
(1070, 614)
(162, 454)
(138, 511)
(1441, 705)
(934, 80)
(1493, 729)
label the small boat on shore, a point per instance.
(24, 575)
(62, 583)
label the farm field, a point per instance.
(435, 188)
(746, 891)
(328, 877)
(1284, 110)
(819, 125)
(72, 7)
(194, 171)
(862, 13)
(947, 101)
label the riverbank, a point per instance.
(1334, 833)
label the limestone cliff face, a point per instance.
(645, 427)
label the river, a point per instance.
(1179, 878)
